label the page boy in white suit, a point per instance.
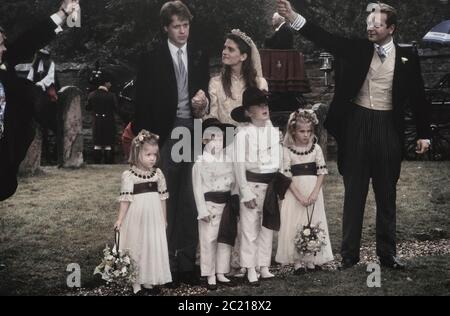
(213, 181)
(257, 161)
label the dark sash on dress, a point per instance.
(145, 187)
(304, 169)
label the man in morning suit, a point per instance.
(171, 91)
(375, 81)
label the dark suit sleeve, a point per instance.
(335, 44)
(141, 99)
(420, 104)
(203, 79)
(205, 75)
(287, 38)
(23, 48)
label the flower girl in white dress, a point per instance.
(142, 217)
(303, 161)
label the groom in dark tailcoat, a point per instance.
(171, 91)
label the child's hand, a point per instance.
(117, 225)
(313, 198)
(302, 200)
(206, 219)
(251, 204)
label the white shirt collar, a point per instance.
(387, 48)
(174, 49)
(279, 27)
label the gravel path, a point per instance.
(406, 251)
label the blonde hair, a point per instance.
(300, 116)
(144, 137)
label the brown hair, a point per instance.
(171, 8)
(144, 137)
(248, 71)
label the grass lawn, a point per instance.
(66, 216)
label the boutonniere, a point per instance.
(3, 67)
(404, 60)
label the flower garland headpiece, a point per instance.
(143, 137)
(305, 115)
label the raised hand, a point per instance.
(284, 9)
(70, 5)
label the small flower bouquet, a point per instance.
(117, 266)
(310, 239)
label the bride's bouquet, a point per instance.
(117, 266)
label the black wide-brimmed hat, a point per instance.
(251, 96)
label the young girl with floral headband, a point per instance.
(142, 216)
(303, 161)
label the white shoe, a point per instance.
(240, 273)
(310, 266)
(136, 288)
(251, 275)
(222, 278)
(212, 280)
(265, 273)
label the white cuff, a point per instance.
(58, 21)
(298, 23)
